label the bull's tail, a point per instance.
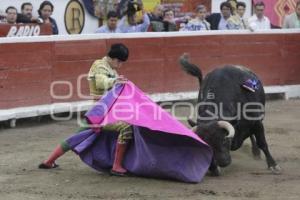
(190, 68)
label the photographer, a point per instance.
(128, 23)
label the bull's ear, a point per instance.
(191, 122)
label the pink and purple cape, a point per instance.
(161, 147)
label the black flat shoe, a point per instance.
(44, 166)
(115, 173)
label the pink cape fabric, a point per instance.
(134, 107)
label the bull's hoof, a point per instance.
(276, 169)
(215, 172)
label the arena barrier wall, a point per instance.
(39, 72)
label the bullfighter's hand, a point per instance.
(121, 79)
(96, 129)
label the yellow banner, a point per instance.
(150, 4)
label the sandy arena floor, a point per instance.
(24, 147)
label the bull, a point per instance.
(229, 110)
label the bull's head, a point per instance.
(218, 134)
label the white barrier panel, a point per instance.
(290, 91)
(80, 37)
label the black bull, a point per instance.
(229, 113)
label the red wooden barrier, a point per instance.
(28, 69)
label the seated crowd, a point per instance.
(230, 17)
(11, 15)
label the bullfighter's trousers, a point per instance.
(125, 132)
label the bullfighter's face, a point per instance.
(115, 63)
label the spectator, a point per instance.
(169, 21)
(128, 23)
(101, 7)
(26, 14)
(258, 20)
(199, 23)
(11, 15)
(156, 18)
(237, 21)
(233, 4)
(45, 11)
(111, 24)
(157, 14)
(115, 5)
(2, 16)
(125, 5)
(26, 9)
(219, 21)
(293, 20)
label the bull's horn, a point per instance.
(228, 127)
(191, 122)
